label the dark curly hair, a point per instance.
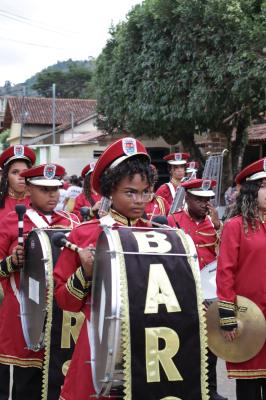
(4, 185)
(128, 168)
(87, 189)
(247, 204)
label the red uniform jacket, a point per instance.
(72, 292)
(12, 344)
(81, 201)
(10, 204)
(157, 206)
(202, 233)
(164, 191)
(241, 271)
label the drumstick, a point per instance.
(59, 239)
(20, 210)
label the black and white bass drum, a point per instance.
(146, 297)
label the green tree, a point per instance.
(73, 83)
(176, 65)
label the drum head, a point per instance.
(40, 257)
(208, 281)
(33, 288)
(104, 329)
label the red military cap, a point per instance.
(177, 158)
(17, 152)
(116, 153)
(44, 175)
(87, 169)
(200, 187)
(192, 166)
(252, 172)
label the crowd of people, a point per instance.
(125, 177)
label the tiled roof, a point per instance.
(257, 133)
(39, 110)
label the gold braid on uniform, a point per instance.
(78, 285)
(227, 313)
(7, 267)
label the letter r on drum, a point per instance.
(154, 356)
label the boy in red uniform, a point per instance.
(241, 271)
(88, 198)
(43, 184)
(200, 220)
(122, 173)
(177, 169)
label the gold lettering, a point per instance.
(70, 329)
(145, 239)
(160, 291)
(154, 356)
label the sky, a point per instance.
(35, 34)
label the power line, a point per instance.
(40, 25)
(33, 44)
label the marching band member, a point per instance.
(158, 205)
(122, 172)
(241, 271)
(12, 187)
(43, 184)
(12, 192)
(88, 198)
(177, 169)
(200, 220)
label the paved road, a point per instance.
(226, 387)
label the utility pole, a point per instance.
(53, 117)
(72, 124)
(22, 116)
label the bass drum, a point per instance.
(125, 260)
(36, 284)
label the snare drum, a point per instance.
(208, 281)
(36, 285)
(123, 314)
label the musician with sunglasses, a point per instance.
(121, 174)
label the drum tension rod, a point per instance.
(113, 317)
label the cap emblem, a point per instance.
(192, 164)
(18, 150)
(92, 166)
(178, 156)
(206, 184)
(49, 171)
(129, 146)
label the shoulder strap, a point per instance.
(36, 219)
(171, 188)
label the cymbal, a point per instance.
(252, 332)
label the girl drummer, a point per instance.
(12, 187)
(241, 271)
(12, 192)
(43, 184)
(122, 173)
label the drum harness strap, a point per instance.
(39, 223)
(171, 188)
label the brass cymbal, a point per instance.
(252, 332)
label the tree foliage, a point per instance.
(175, 66)
(75, 82)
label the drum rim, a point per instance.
(105, 387)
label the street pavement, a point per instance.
(226, 387)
